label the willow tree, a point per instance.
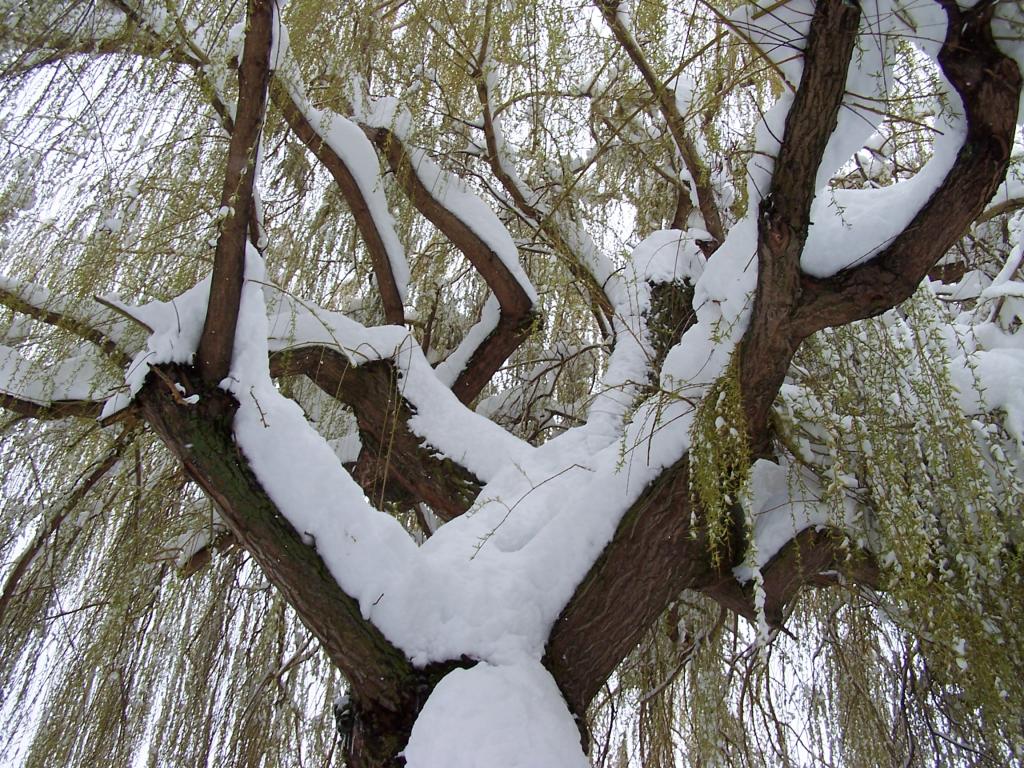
(504, 373)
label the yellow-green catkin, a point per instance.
(720, 456)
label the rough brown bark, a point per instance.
(657, 550)
(812, 558)
(671, 315)
(612, 607)
(655, 554)
(200, 436)
(387, 692)
(989, 84)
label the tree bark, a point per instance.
(217, 342)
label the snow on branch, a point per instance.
(334, 350)
(474, 229)
(568, 237)
(968, 167)
(73, 387)
(47, 410)
(349, 157)
(784, 213)
(89, 320)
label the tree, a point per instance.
(498, 357)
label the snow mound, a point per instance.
(506, 717)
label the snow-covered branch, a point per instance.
(395, 463)
(568, 238)
(349, 157)
(89, 320)
(475, 230)
(988, 84)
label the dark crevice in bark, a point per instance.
(377, 735)
(671, 315)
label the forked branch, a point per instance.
(201, 437)
(516, 304)
(770, 341)
(989, 84)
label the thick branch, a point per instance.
(186, 51)
(770, 341)
(617, 601)
(812, 558)
(989, 85)
(510, 294)
(218, 338)
(609, 609)
(395, 464)
(200, 436)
